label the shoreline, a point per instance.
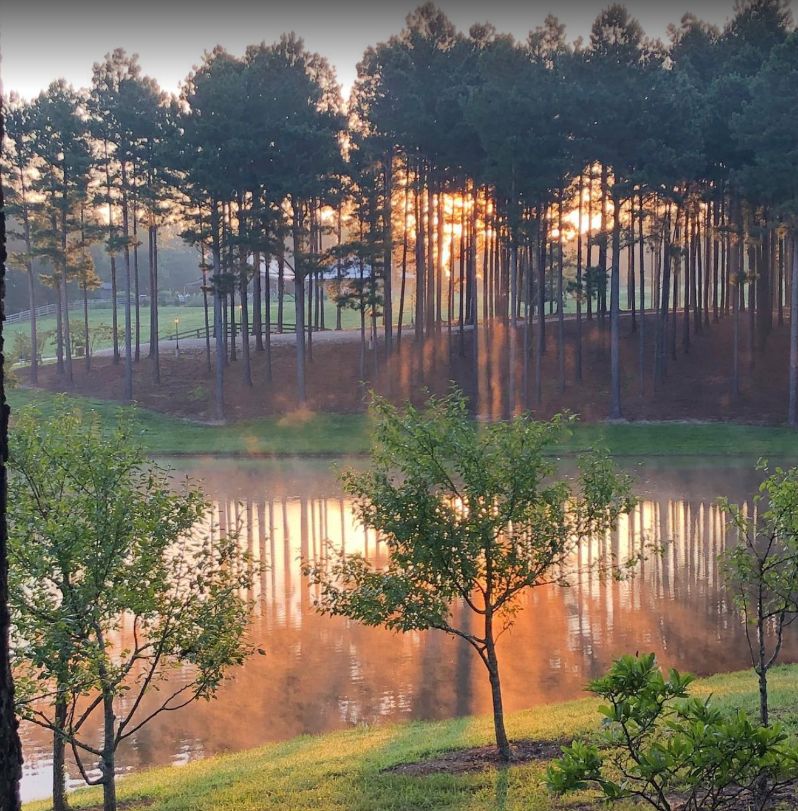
(328, 435)
(362, 768)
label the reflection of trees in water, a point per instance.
(322, 673)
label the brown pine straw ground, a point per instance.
(697, 387)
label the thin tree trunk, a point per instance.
(403, 285)
(34, 340)
(87, 353)
(137, 311)
(388, 266)
(792, 408)
(108, 761)
(267, 329)
(615, 319)
(205, 301)
(218, 313)
(257, 304)
(128, 292)
(60, 802)
(67, 337)
(781, 283)
(299, 308)
(243, 280)
(112, 252)
(10, 749)
(420, 260)
(492, 663)
(642, 249)
(630, 273)
(579, 283)
(560, 301)
(154, 325)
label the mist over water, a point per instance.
(321, 674)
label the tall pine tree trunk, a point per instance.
(792, 408)
(257, 303)
(579, 283)
(642, 286)
(560, 301)
(67, 337)
(10, 749)
(243, 280)
(218, 313)
(112, 253)
(299, 307)
(155, 346)
(388, 261)
(137, 310)
(34, 338)
(128, 391)
(615, 315)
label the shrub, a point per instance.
(669, 750)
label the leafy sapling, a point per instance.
(471, 515)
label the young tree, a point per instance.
(118, 581)
(762, 570)
(10, 749)
(468, 513)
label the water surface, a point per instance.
(323, 673)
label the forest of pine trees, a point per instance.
(473, 187)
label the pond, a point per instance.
(322, 673)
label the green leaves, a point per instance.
(659, 744)
(468, 514)
(105, 546)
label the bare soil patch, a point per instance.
(123, 805)
(462, 761)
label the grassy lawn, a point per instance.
(161, 434)
(326, 434)
(344, 771)
(189, 318)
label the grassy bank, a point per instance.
(346, 770)
(335, 434)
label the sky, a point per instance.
(41, 40)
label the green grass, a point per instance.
(319, 434)
(344, 771)
(331, 434)
(189, 318)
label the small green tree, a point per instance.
(762, 570)
(668, 750)
(468, 513)
(117, 581)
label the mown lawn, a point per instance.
(330, 434)
(188, 318)
(345, 771)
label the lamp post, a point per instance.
(177, 337)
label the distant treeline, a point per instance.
(469, 179)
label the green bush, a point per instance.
(669, 750)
